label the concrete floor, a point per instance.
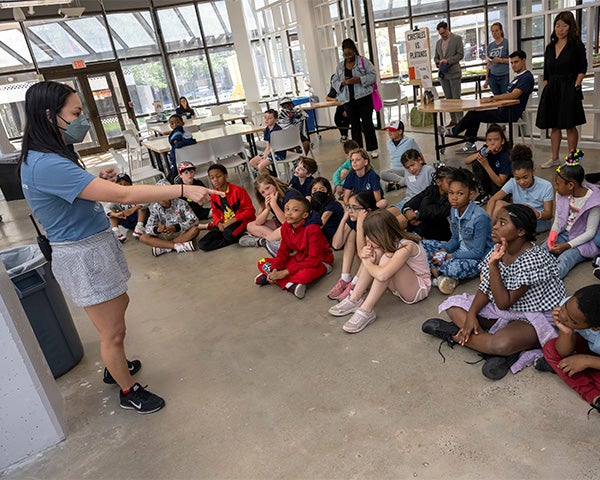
(259, 384)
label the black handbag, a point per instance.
(42, 241)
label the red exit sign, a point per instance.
(78, 64)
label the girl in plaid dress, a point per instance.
(510, 316)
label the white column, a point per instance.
(31, 407)
(243, 50)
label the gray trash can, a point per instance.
(45, 306)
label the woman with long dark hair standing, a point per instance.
(87, 259)
(353, 81)
(561, 101)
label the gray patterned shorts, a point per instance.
(92, 270)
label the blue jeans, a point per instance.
(567, 259)
(458, 268)
(498, 84)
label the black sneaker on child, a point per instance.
(542, 365)
(441, 329)
(141, 400)
(134, 367)
(496, 368)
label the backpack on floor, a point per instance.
(419, 118)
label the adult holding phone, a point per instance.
(496, 73)
(87, 259)
(561, 101)
(353, 81)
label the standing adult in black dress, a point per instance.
(561, 102)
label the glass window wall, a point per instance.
(180, 28)
(133, 34)
(14, 54)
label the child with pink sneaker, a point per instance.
(391, 259)
(304, 254)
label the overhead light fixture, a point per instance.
(33, 3)
(71, 12)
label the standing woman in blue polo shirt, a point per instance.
(353, 81)
(87, 259)
(496, 73)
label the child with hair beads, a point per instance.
(303, 175)
(323, 202)
(362, 177)
(344, 169)
(512, 309)
(471, 227)
(417, 176)
(526, 189)
(304, 254)
(491, 164)
(346, 237)
(272, 195)
(391, 259)
(231, 211)
(171, 226)
(129, 216)
(575, 226)
(575, 354)
(263, 161)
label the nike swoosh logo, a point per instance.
(136, 405)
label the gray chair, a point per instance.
(139, 174)
(230, 152)
(391, 95)
(284, 140)
(200, 154)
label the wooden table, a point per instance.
(165, 129)
(159, 147)
(450, 106)
(316, 106)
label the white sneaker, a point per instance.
(359, 321)
(122, 238)
(551, 163)
(374, 154)
(467, 149)
(157, 251)
(447, 285)
(139, 230)
(184, 247)
(345, 307)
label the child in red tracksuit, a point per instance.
(304, 254)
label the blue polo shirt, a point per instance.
(51, 184)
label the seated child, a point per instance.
(363, 177)
(397, 145)
(391, 259)
(129, 216)
(512, 309)
(291, 116)
(186, 176)
(426, 214)
(323, 202)
(263, 161)
(171, 226)
(303, 175)
(272, 195)
(344, 169)
(471, 227)
(418, 175)
(346, 237)
(231, 211)
(525, 188)
(577, 217)
(304, 254)
(575, 354)
(491, 164)
(177, 138)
